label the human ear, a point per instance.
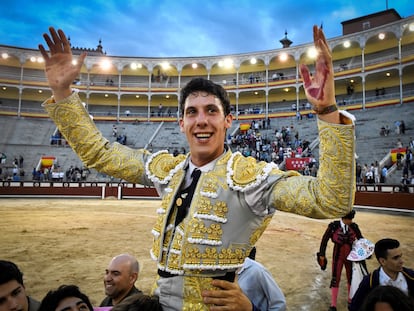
(181, 123)
(228, 120)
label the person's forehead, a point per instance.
(68, 302)
(394, 252)
(202, 97)
(118, 264)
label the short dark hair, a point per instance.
(54, 297)
(382, 247)
(9, 271)
(392, 295)
(208, 86)
(139, 302)
(350, 215)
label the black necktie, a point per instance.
(184, 197)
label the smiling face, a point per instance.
(119, 278)
(204, 124)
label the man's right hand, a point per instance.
(60, 69)
(228, 296)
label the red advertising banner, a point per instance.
(296, 163)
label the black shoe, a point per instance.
(332, 308)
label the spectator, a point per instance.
(405, 182)
(120, 278)
(385, 130)
(3, 158)
(376, 173)
(21, 161)
(384, 173)
(65, 298)
(391, 272)
(258, 285)
(411, 144)
(397, 125)
(387, 298)
(402, 127)
(138, 302)
(399, 160)
(358, 173)
(160, 110)
(12, 290)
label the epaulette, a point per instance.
(162, 166)
(244, 173)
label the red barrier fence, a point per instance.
(75, 189)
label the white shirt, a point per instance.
(205, 168)
(258, 284)
(344, 227)
(400, 282)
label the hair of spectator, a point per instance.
(9, 271)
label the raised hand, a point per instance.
(320, 88)
(60, 69)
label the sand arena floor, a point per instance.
(71, 241)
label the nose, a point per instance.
(13, 304)
(201, 118)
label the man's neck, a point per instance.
(118, 299)
(391, 274)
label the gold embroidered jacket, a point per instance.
(233, 203)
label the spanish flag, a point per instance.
(394, 153)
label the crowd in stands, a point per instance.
(52, 173)
(55, 173)
(284, 143)
(399, 127)
(17, 171)
(375, 174)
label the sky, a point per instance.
(183, 28)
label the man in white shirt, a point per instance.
(391, 272)
(258, 284)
